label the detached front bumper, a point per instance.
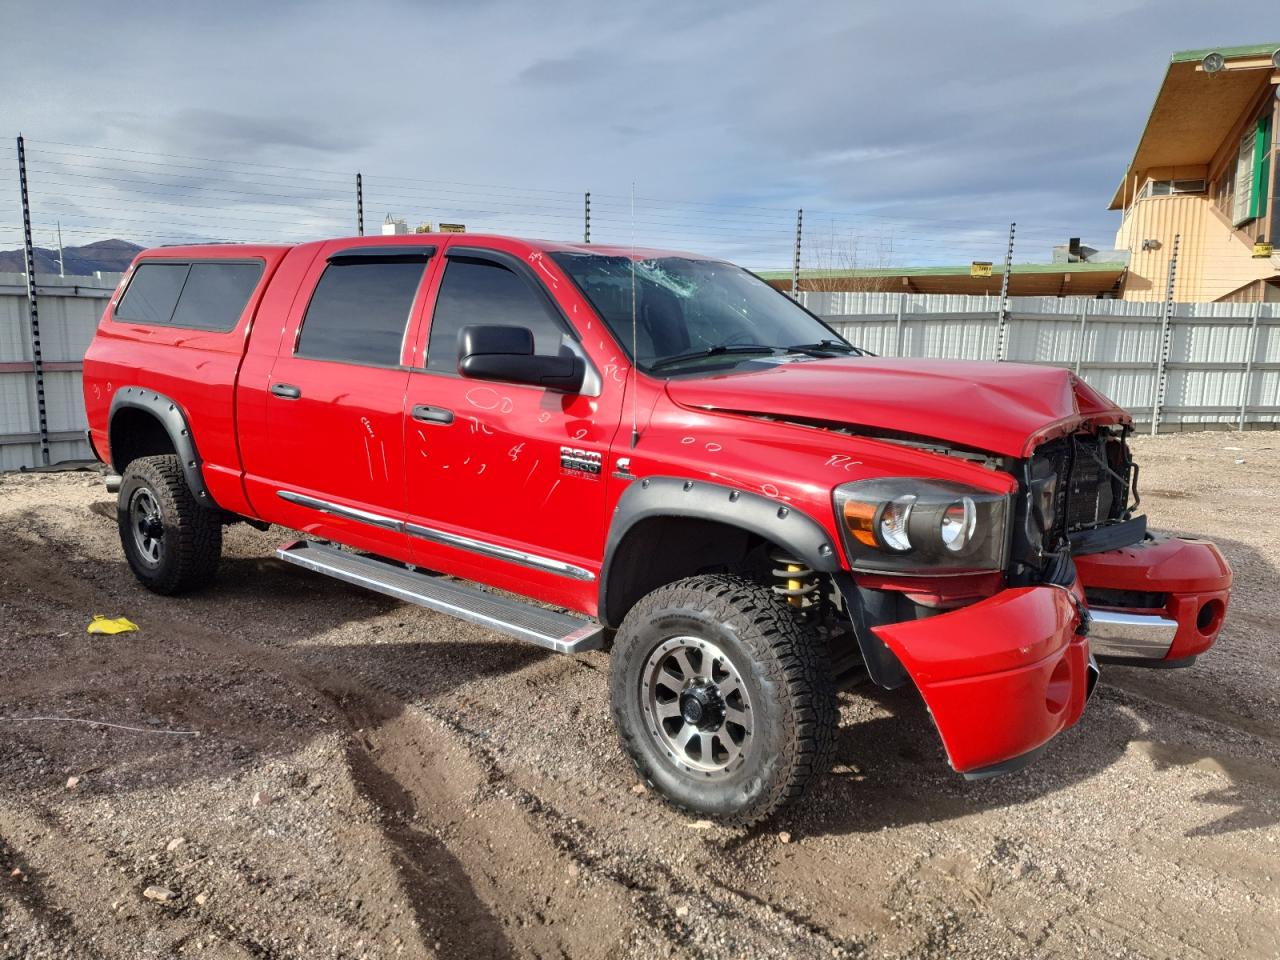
(1001, 677)
(1158, 603)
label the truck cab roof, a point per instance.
(238, 251)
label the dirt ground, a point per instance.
(323, 772)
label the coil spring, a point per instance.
(798, 582)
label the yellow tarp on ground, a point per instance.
(101, 624)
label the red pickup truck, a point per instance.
(590, 447)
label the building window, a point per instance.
(1244, 180)
(1222, 193)
(1252, 173)
(1171, 188)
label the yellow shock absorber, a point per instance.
(794, 587)
(799, 582)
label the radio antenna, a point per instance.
(635, 354)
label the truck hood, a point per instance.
(1001, 408)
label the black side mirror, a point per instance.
(506, 354)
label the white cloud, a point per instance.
(945, 121)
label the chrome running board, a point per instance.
(546, 628)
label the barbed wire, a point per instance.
(101, 192)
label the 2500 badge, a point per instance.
(581, 461)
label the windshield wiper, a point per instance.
(717, 350)
(823, 348)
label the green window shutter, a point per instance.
(1261, 167)
(1262, 160)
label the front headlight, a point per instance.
(907, 525)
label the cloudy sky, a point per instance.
(909, 132)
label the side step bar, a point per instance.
(547, 628)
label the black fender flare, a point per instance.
(755, 513)
(174, 420)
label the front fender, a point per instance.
(789, 528)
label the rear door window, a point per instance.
(193, 295)
(359, 312)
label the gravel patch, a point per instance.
(316, 771)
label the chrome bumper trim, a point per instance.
(1141, 636)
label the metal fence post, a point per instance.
(795, 261)
(586, 218)
(33, 307)
(359, 205)
(897, 342)
(1002, 320)
(1166, 338)
(1084, 316)
(1246, 383)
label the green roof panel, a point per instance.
(1253, 50)
(996, 268)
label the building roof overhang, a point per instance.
(1088, 279)
(1195, 111)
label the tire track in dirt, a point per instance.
(471, 828)
(394, 758)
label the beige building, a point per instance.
(1204, 172)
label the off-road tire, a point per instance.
(786, 673)
(191, 541)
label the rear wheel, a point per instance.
(722, 699)
(171, 542)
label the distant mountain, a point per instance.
(109, 256)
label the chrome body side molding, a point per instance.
(502, 553)
(337, 510)
(521, 557)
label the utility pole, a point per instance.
(359, 205)
(37, 356)
(62, 269)
(1166, 339)
(1002, 323)
(795, 260)
(586, 218)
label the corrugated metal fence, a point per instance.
(69, 311)
(1220, 361)
(1221, 364)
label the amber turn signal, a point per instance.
(859, 518)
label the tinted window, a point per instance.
(359, 311)
(477, 292)
(152, 293)
(215, 295)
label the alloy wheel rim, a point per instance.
(696, 706)
(147, 526)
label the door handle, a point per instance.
(428, 414)
(285, 391)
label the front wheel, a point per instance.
(721, 697)
(171, 542)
